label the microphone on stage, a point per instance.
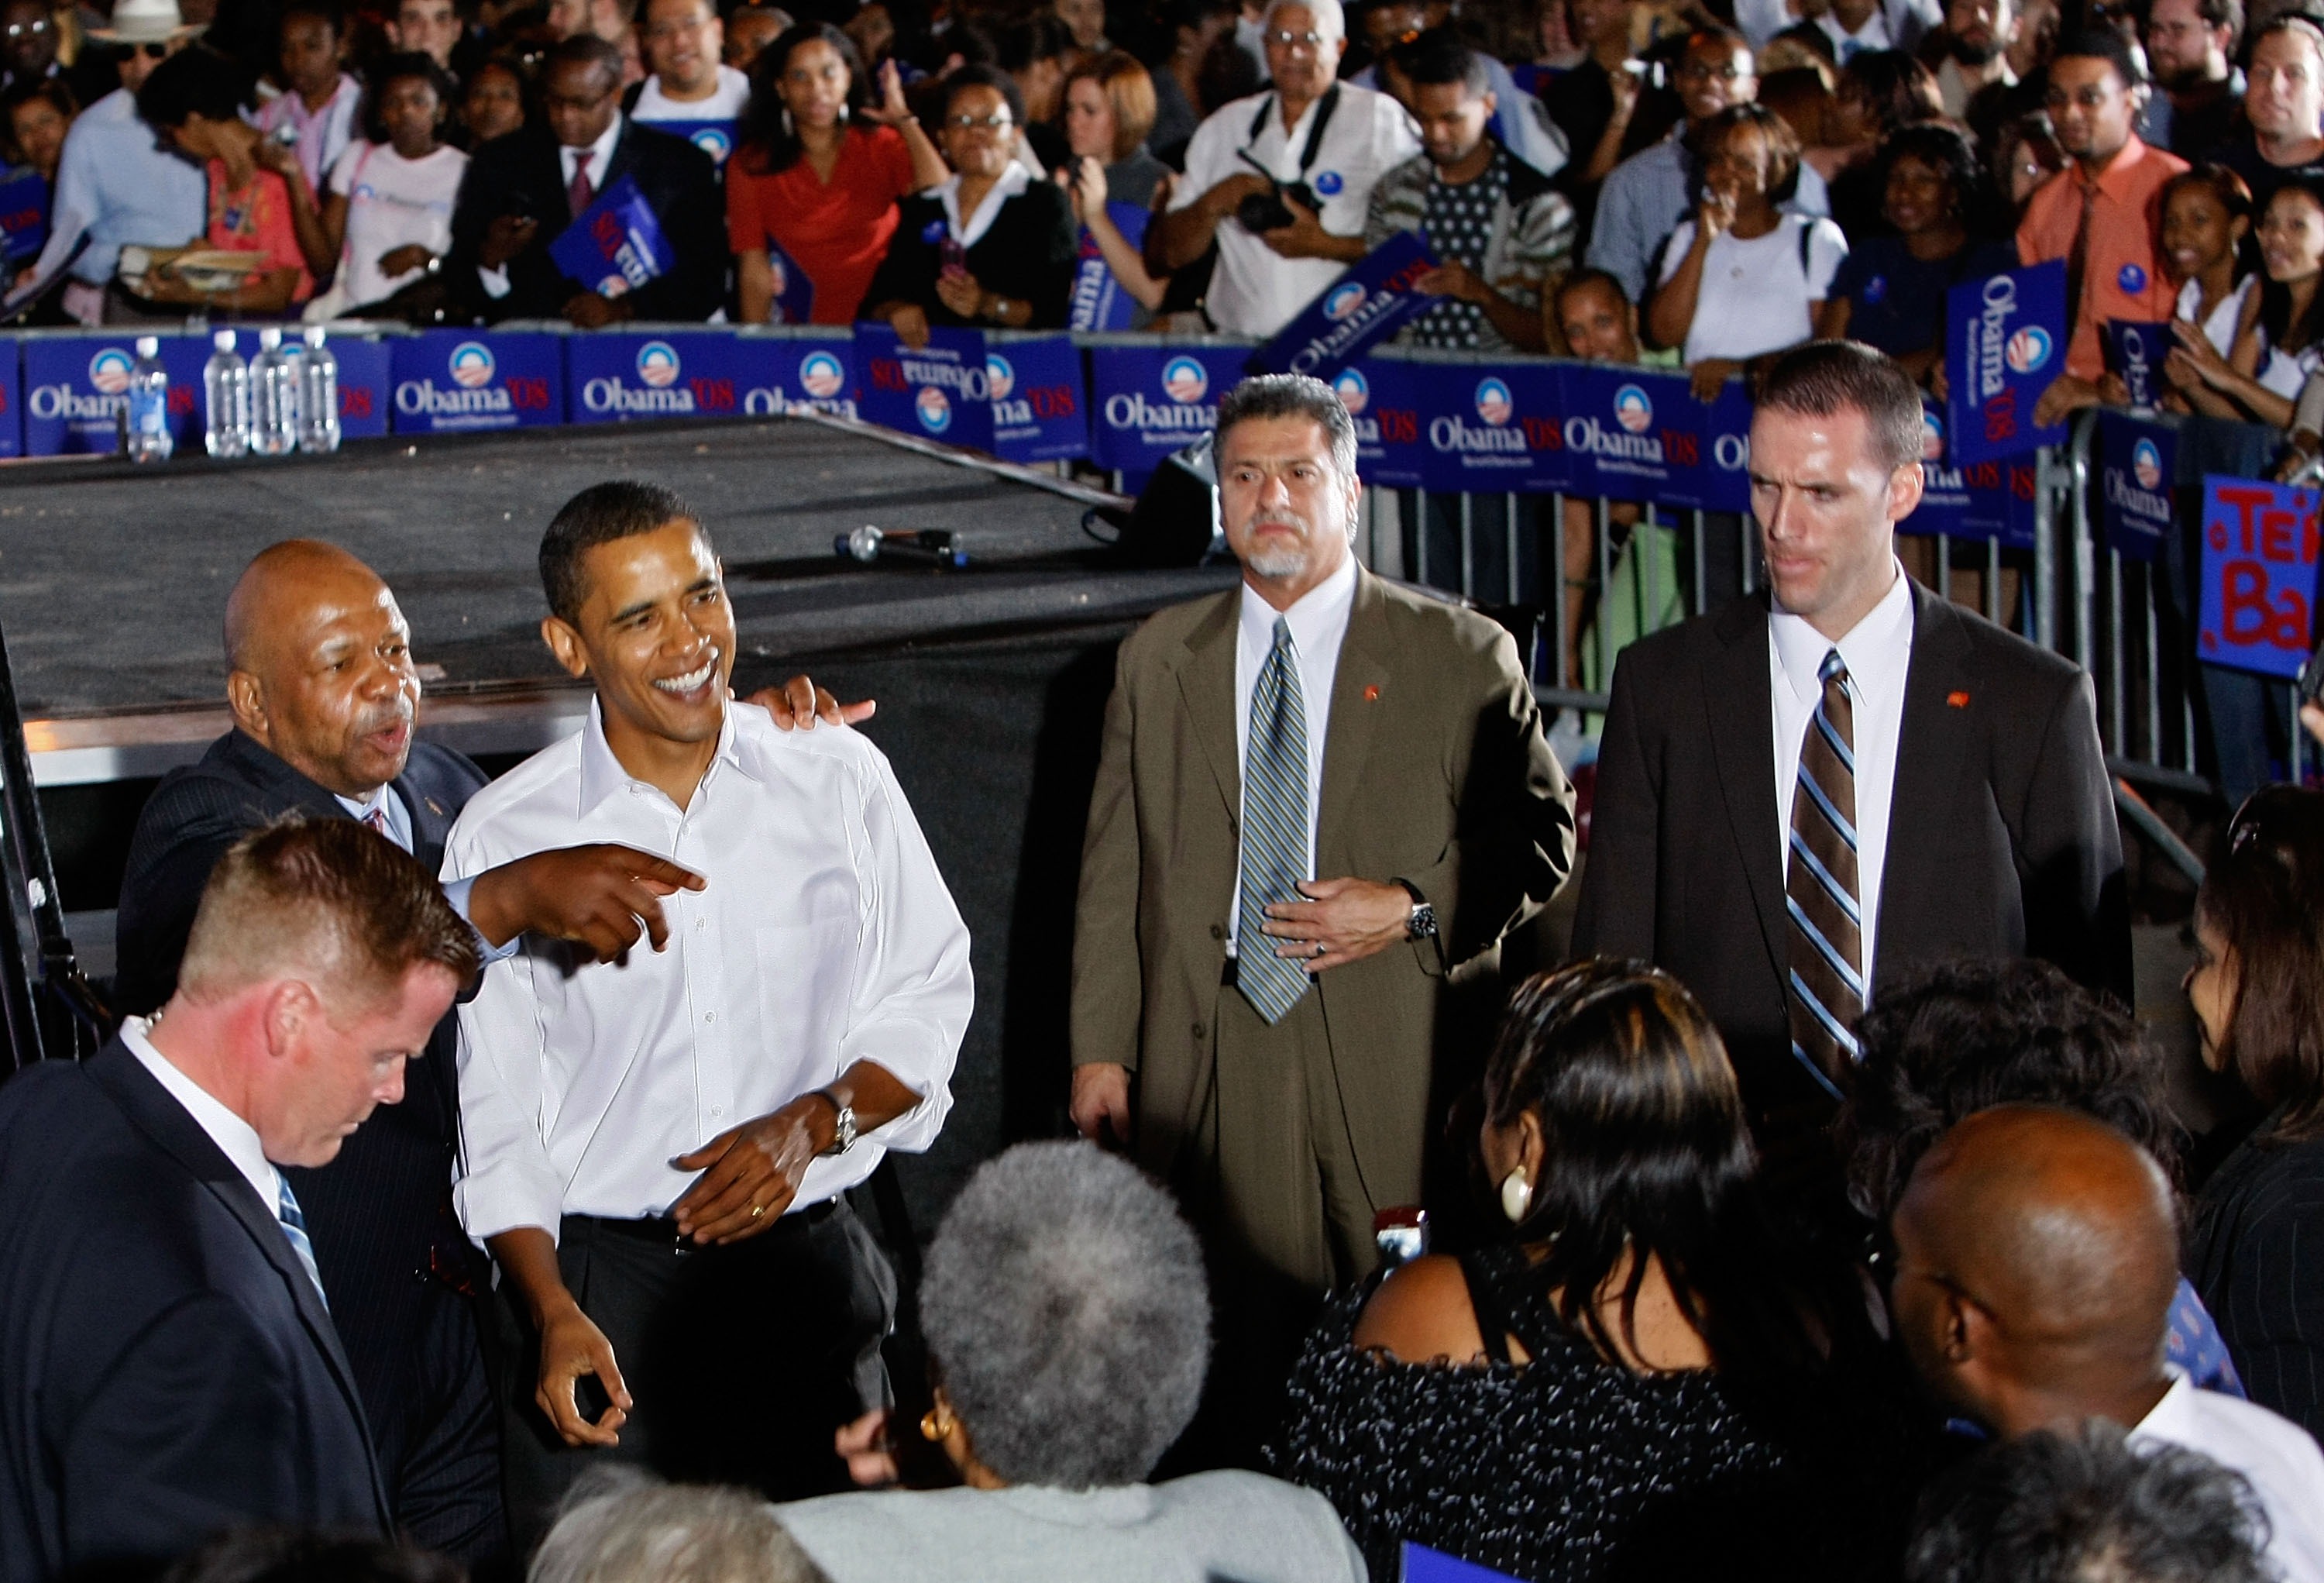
(930, 546)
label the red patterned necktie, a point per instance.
(377, 819)
(579, 194)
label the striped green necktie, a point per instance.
(1274, 829)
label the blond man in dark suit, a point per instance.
(1321, 799)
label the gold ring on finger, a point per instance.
(757, 1210)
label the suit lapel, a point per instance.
(1933, 753)
(1736, 702)
(1362, 674)
(430, 822)
(281, 782)
(623, 157)
(1207, 683)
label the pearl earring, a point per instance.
(1517, 1196)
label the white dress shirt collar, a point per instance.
(602, 775)
(383, 800)
(1877, 650)
(600, 155)
(237, 1139)
(1013, 181)
(1318, 616)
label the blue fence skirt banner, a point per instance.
(940, 391)
(1945, 498)
(1040, 411)
(1098, 301)
(1423, 1564)
(23, 214)
(674, 373)
(1371, 302)
(2259, 576)
(615, 245)
(813, 371)
(457, 380)
(1378, 395)
(2008, 345)
(75, 387)
(1498, 428)
(2135, 349)
(2138, 460)
(1147, 401)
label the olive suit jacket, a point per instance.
(1436, 772)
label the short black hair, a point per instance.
(601, 515)
(2102, 43)
(1822, 378)
(2226, 13)
(1574, 279)
(327, 11)
(2064, 1508)
(392, 68)
(1943, 1042)
(993, 78)
(1441, 56)
(194, 81)
(586, 47)
(1040, 37)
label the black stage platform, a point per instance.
(991, 681)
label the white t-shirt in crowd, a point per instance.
(1755, 295)
(1255, 292)
(392, 201)
(709, 122)
(2225, 319)
(2274, 1455)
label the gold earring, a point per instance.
(934, 1426)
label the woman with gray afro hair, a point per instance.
(1069, 1329)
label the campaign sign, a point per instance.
(940, 391)
(1725, 483)
(1040, 411)
(1378, 395)
(2137, 459)
(76, 386)
(1945, 498)
(1423, 1564)
(611, 378)
(457, 380)
(2000, 502)
(1151, 399)
(2006, 337)
(812, 372)
(1498, 428)
(1360, 310)
(615, 245)
(1098, 301)
(794, 293)
(715, 138)
(2135, 349)
(1643, 432)
(23, 214)
(2259, 575)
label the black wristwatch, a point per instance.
(1422, 923)
(844, 1122)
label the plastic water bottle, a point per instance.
(146, 432)
(273, 397)
(225, 391)
(319, 394)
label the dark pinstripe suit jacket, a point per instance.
(2256, 1255)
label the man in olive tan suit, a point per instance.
(1322, 798)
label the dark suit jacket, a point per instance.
(521, 173)
(2002, 838)
(381, 1213)
(1028, 255)
(166, 1366)
(2256, 1255)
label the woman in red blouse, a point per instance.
(811, 195)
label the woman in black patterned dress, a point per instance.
(1628, 1389)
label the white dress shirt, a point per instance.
(1877, 651)
(825, 936)
(600, 156)
(969, 230)
(237, 1139)
(2276, 1456)
(1319, 620)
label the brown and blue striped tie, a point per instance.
(1822, 891)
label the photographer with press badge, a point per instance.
(1280, 182)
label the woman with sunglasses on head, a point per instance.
(992, 248)
(811, 196)
(2257, 990)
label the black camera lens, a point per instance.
(1262, 211)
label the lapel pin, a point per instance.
(434, 807)
(1372, 692)
(1956, 700)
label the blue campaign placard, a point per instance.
(715, 138)
(1726, 480)
(1947, 502)
(1371, 302)
(12, 404)
(1378, 395)
(1423, 1564)
(615, 245)
(1643, 432)
(616, 377)
(2135, 349)
(1040, 407)
(813, 371)
(1098, 301)
(2139, 461)
(794, 293)
(366, 364)
(1491, 429)
(74, 386)
(939, 393)
(1147, 401)
(23, 214)
(2007, 344)
(2259, 576)
(2000, 502)
(457, 380)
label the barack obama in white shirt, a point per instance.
(655, 1147)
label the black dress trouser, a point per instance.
(742, 1361)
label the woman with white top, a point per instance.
(1742, 278)
(2282, 342)
(2206, 247)
(388, 214)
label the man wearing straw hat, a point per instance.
(116, 185)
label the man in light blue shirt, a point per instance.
(115, 182)
(1649, 193)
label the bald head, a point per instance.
(320, 666)
(2036, 1262)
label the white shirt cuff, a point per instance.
(496, 281)
(456, 892)
(507, 1195)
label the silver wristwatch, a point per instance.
(1421, 924)
(844, 1136)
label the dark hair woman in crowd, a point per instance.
(493, 102)
(2257, 990)
(1881, 92)
(1945, 1042)
(1627, 1387)
(1890, 290)
(39, 112)
(2025, 155)
(389, 209)
(2284, 342)
(819, 174)
(992, 248)
(2204, 243)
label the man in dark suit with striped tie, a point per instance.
(1908, 783)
